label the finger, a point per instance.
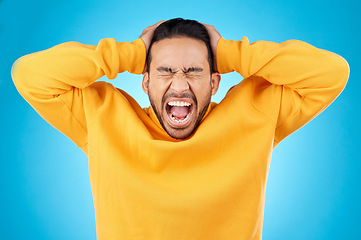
(160, 22)
(156, 25)
(207, 25)
(151, 28)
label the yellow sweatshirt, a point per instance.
(149, 186)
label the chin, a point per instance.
(179, 115)
(179, 134)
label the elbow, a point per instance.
(18, 73)
(340, 72)
(343, 72)
(335, 71)
(21, 74)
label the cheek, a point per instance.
(156, 92)
(202, 90)
(158, 84)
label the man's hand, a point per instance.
(147, 34)
(214, 38)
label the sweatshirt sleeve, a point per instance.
(54, 81)
(303, 78)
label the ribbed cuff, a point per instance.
(228, 55)
(132, 56)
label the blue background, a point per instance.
(313, 190)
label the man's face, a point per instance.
(179, 84)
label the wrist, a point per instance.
(228, 55)
(132, 56)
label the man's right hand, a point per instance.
(147, 34)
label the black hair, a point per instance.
(179, 27)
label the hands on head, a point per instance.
(147, 34)
(214, 36)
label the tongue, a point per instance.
(179, 112)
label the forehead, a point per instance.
(179, 52)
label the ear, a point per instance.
(145, 82)
(216, 78)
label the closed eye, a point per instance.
(192, 70)
(166, 75)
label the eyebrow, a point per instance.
(170, 70)
(164, 69)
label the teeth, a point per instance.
(179, 121)
(179, 104)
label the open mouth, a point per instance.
(179, 112)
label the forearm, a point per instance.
(293, 63)
(55, 71)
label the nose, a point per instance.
(179, 84)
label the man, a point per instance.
(183, 168)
